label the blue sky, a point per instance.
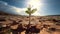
(46, 7)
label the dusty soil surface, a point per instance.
(53, 21)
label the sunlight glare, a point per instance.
(35, 3)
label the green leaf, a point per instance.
(33, 11)
(27, 12)
(29, 8)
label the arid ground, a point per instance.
(53, 22)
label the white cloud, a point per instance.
(14, 10)
(11, 9)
